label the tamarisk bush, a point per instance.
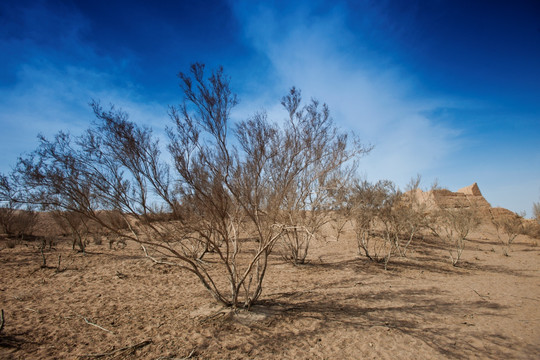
(223, 183)
(508, 227)
(15, 220)
(385, 220)
(452, 225)
(317, 153)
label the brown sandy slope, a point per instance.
(339, 306)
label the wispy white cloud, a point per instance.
(48, 98)
(54, 69)
(54, 76)
(315, 49)
(366, 93)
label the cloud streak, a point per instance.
(48, 98)
(377, 99)
(55, 74)
(391, 73)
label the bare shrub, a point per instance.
(18, 222)
(532, 229)
(216, 194)
(371, 201)
(111, 224)
(75, 224)
(343, 207)
(508, 227)
(15, 221)
(318, 153)
(7, 205)
(6, 219)
(24, 222)
(386, 220)
(98, 240)
(346, 200)
(410, 215)
(452, 225)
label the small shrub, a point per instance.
(295, 244)
(369, 199)
(386, 220)
(536, 211)
(508, 227)
(75, 224)
(97, 239)
(532, 229)
(50, 241)
(452, 225)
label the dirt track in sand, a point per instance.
(339, 306)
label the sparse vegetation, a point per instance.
(508, 227)
(226, 199)
(271, 185)
(75, 224)
(11, 243)
(386, 220)
(370, 201)
(452, 226)
(343, 207)
(15, 221)
(316, 154)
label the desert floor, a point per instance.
(116, 304)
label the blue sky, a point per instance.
(447, 89)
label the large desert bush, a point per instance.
(222, 183)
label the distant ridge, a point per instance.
(469, 196)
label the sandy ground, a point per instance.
(339, 306)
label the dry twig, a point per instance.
(132, 347)
(156, 261)
(477, 293)
(2, 320)
(96, 325)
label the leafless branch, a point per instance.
(132, 347)
(99, 327)
(2, 320)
